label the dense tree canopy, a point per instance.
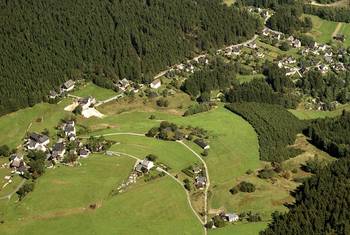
(45, 42)
(321, 205)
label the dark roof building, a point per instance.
(201, 143)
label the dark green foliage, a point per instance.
(78, 110)
(321, 205)
(197, 108)
(244, 186)
(306, 40)
(4, 151)
(284, 46)
(98, 144)
(253, 217)
(218, 75)
(259, 91)
(234, 190)
(71, 157)
(46, 42)
(187, 184)
(218, 221)
(25, 189)
(328, 88)
(36, 163)
(151, 157)
(340, 14)
(162, 102)
(266, 173)
(277, 79)
(276, 128)
(313, 165)
(152, 132)
(331, 135)
(326, 1)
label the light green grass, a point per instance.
(14, 125)
(248, 78)
(313, 114)
(156, 207)
(322, 30)
(91, 89)
(240, 229)
(345, 29)
(170, 153)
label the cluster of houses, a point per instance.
(64, 88)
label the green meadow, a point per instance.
(61, 199)
(322, 30)
(97, 92)
(313, 114)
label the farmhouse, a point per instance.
(84, 153)
(156, 84)
(69, 130)
(339, 37)
(58, 151)
(68, 86)
(229, 217)
(201, 143)
(144, 166)
(201, 182)
(123, 84)
(296, 43)
(17, 163)
(37, 142)
(53, 94)
(87, 102)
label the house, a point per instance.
(266, 32)
(290, 39)
(290, 60)
(144, 166)
(53, 94)
(236, 51)
(156, 84)
(201, 143)
(37, 142)
(229, 217)
(201, 182)
(68, 86)
(84, 153)
(296, 43)
(339, 67)
(69, 130)
(292, 71)
(17, 163)
(260, 55)
(58, 151)
(87, 102)
(339, 37)
(323, 68)
(313, 45)
(252, 45)
(123, 84)
(196, 169)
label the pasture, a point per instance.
(61, 199)
(313, 114)
(322, 30)
(97, 92)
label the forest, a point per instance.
(276, 128)
(46, 42)
(331, 135)
(339, 14)
(321, 205)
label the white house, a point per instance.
(156, 84)
(144, 166)
(37, 142)
(85, 103)
(68, 86)
(230, 217)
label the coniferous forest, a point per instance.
(46, 42)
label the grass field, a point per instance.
(323, 30)
(60, 203)
(313, 114)
(16, 124)
(248, 78)
(240, 229)
(91, 89)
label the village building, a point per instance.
(323, 68)
(69, 130)
(84, 153)
(123, 84)
(68, 86)
(201, 143)
(201, 182)
(53, 94)
(339, 37)
(296, 43)
(58, 151)
(37, 142)
(17, 164)
(156, 84)
(144, 166)
(229, 217)
(87, 102)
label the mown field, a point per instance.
(61, 199)
(313, 114)
(91, 89)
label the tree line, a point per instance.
(321, 204)
(339, 14)
(276, 128)
(331, 135)
(45, 42)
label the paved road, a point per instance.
(109, 100)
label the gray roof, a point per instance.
(59, 147)
(201, 143)
(39, 138)
(84, 152)
(68, 84)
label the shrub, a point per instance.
(151, 157)
(246, 187)
(234, 190)
(266, 173)
(25, 189)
